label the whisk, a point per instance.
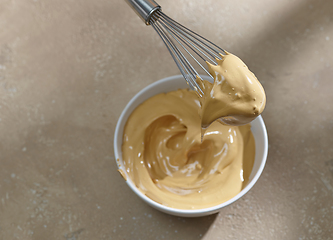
(180, 41)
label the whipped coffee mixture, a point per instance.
(162, 149)
(236, 95)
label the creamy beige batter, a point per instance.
(163, 152)
(236, 97)
(164, 156)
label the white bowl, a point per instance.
(170, 84)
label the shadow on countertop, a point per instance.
(296, 181)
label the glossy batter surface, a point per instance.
(164, 156)
(236, 96)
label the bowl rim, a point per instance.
(161, 207)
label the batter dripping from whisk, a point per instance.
(236, 97)
(165, 157)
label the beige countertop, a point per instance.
(68, 68)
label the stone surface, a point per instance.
(68, 68)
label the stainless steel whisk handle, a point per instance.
(144, 8)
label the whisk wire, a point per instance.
(183, 64)
(206, 44)
(179, 38)
(191, 41)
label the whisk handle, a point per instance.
(144, 8)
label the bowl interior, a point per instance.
(170, 84)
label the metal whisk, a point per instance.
(180, 41)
